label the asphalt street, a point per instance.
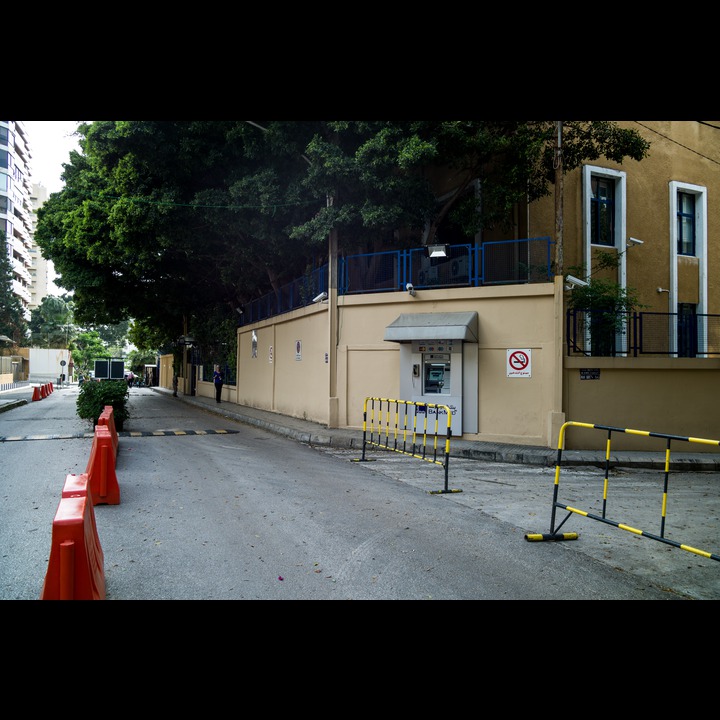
(519, 494)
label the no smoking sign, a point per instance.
(519, 363)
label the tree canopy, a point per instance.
(172, 222)
(12, 320)
(51, 323)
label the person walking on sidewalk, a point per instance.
(218, 380)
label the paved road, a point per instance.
(255, 515)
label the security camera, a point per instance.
(577, 282)
(634, 241)
(410, 288)
(319, 298)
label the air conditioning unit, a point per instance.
(459, 268)
(428, 274)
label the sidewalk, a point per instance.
(317, 434)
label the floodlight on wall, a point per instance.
(577, 282)
(634, 241)
(321, 297)
(437, 250)
(662, 290)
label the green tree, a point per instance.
(378, 172)
(145, 338)
(169, 221)
(12, 317)
(85, 349)
(115, 335)
(605, 303)
(137, 360)
(216, 336)
(51, 323)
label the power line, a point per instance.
(680, 144)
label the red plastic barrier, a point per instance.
(51, 387)
(36, 394)
(43, 391)
(103, 484)
(76, 571)
(77, 486)
(107, 417)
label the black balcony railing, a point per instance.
(503, 262)
(601, 334)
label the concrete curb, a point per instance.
(4, 407)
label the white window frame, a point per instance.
(701, 232)
(620, 240)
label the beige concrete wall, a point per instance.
(672, 396)
(166, 371)
(661, 395)
(301, 371)
(256, 368)
(510, 317)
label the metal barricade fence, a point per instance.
(383, 429)
(555, 533)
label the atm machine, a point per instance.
(439, 369)
(439, 365)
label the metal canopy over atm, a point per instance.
(433, 326)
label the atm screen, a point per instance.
(437, 377)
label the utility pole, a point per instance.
(558, 201)
(333, 400)
(557, 417)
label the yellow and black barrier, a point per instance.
(382, 429)
(550, 537)
(555, 533)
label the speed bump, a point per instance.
(154, 433)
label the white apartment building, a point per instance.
(39, 269)
(16, 210)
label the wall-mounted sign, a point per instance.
(519, 363)
(589, 373)
(298, 349)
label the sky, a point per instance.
(51, 142)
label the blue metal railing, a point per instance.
(503, 262)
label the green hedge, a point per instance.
(95, 395)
